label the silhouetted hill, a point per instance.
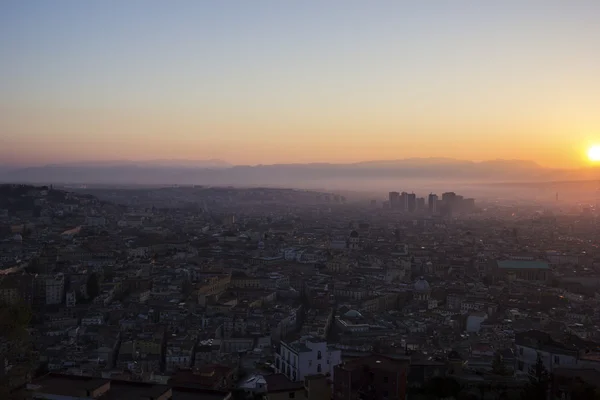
(354, 175)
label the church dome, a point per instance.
(422, 285)
(353, 314)
(353, 234)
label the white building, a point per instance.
(554, 354)
(55, 288)
(306, 357)
(474, 321)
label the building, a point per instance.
(522, 269)
(422, 290)
(554, 354)
(448, 197)
(432, 201)
(55, 288)
(371, 377)
(71, 299)
(63, 387)
(95, 220)
(411, 202)
(16, 288)
(354, 241)
(394, 198)
(305, 357)
(404, 201)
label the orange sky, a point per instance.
(308, 82)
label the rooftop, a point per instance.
(377, 362)
(520, 264)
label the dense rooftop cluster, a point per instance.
(203, 292)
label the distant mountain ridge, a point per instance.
(218, 172)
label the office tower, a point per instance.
(411, 202)
(432, 203)
(394, 200)
(450, 203)
(449, 198)
(404, 201)
(420, 203)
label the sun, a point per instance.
(594, 153)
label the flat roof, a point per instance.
(521, 264)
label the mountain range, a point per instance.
(218, 172)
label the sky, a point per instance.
(271, 81)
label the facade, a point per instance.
(411, 202)
(71, 299)
(554, 354)
(432, 203)
(404, 201)
(371, 377)
(394, 198)
(522, 269)
(299, 359)
(354, 241)
(422, 290)
(55, 288)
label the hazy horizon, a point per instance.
(298, 82)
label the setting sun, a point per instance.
(594, 153)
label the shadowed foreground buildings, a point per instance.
(372, 377)
(63, 387)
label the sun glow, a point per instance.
(594, 153)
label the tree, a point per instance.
(16, 348)
(498, 366)
(539, 379)
(93, 286)
(441, 387)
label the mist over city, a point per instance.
(268, 200)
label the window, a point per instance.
(318, 367)
(310, 363)
(385, 379)
(319, 356)
(520, 366)
(520, 350)
(292, 395)
(557, 360)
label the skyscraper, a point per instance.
(421, 203)
(432, 203)
(394, 200)
(404, 201)
(411, 202)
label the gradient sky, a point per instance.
(298, 81)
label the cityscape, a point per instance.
(219, 293)
(317, 200)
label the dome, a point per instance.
(352, 314)
(422, 285)
(353, 234)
